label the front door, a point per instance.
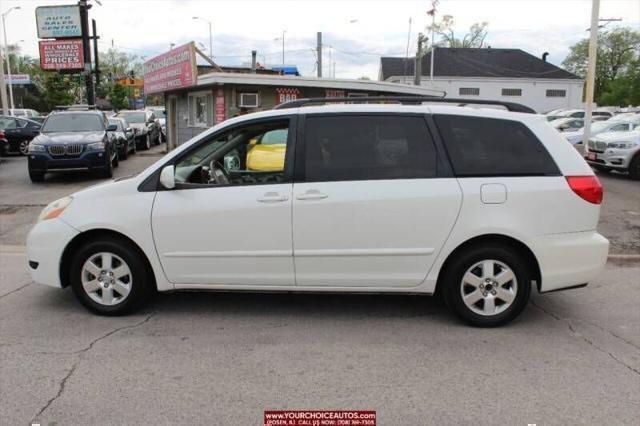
(225, 224)
(369, 209)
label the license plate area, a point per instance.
(592, 156)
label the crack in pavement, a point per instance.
(16, 290)
(66, 378)
(589, 341)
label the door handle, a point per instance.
(272, 197)
(312, 194)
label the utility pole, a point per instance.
(591, 72)
(86, 50)
(417, 68)
(3, 89)
(406, 56)
(6, 52)
(432, 12)
(319, 51)
(95, 53)
(283, 33)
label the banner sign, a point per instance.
(58, 55)
(219, 109)
(175, 69)
(58, 21)
(18, 79)
(286, 94)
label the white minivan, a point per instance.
(479, 205)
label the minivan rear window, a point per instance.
(479, 146)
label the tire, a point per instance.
(36, 176)
(634, 167)
(116, 158)
(499, 300)
(115, 289)
(146, 143)
(135, 147)
(124, 154)
(24, 147)
(108, 171)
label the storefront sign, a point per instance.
(57, 55)
(219, 109)
(175, 69)
(18, 79)
(286, 94)
(58, 21)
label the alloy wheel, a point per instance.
(24, 147)
(106, 278)
(489, 287)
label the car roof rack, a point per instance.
(77, 107)
(411, 100)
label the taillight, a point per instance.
(1, 134)
(587, 187)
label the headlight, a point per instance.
(621, 145)
(55, 209)
(96, 146)
(34, 147)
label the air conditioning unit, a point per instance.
(248, 100)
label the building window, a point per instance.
(200, 109)
(469, 91)
(555, 93)
(248, 100)
(511, 92)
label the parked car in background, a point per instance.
(629, 116)
(567, 124)
(569, 113)
(19, 132)
(23, 112)
(375, 204)
(124, 137)
(4, 145)
(576, 136)
(146, 129)
(616, 151)
(161, 116)
(73, 140)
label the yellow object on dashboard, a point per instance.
(266, 158)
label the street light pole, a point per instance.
(283, 33)
(591, 73)
(6, 54)
(210, 35)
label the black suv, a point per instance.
(74, 139)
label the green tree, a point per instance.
(618, 51)
(445, 29)
(118, 97)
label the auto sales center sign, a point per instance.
(175, 69)
(61, 55)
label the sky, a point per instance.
(355, 32)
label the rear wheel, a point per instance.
(109, 277)
(24, 147)
(36, 176)
(487, 286)
(634, 167)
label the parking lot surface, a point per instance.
(221, 358)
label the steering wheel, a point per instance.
(218, 173)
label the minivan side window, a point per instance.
(367, 147)
(479, 146)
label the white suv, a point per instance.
(477, 204)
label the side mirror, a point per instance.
(112, 128)
(128, 130)
(168, 177)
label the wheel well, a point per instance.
(516, 245)
(92, 235)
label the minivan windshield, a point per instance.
(73, 123)
(133, 117)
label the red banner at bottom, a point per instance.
(319, 418)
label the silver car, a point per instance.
(616, 151)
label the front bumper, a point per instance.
(570, 259)
(90, 160)
(45, 244)
(613, 158)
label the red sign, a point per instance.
(319, 417)
(219, 110)
(172, 70)
(286, 95)
(57, 55)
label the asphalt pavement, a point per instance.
(222, 358)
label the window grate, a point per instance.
(511, 92)
(556, 93)
(469, 91)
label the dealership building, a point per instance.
(196, 98)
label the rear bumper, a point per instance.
(569, 260)
(45, 244)
(87, 161)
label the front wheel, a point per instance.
(124, 153)
(109, 277)
(24, 147)
(36, 176)
(487, 286)
(634, 167)
(108, 170)
(146, 142)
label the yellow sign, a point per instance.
(131, 82)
